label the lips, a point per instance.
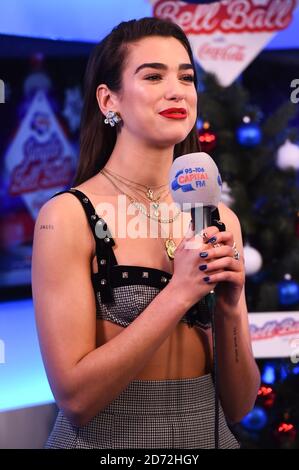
(174, 113)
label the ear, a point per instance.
(107, 100)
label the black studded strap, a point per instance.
(104, 242)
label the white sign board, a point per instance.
(226, 36)
(275, 334)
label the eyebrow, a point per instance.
(159, 66)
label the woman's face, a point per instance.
(158, 76)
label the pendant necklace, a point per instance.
(169, 243)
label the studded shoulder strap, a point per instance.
(104, 243)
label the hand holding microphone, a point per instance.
(205, 256)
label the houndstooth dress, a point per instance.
(170, 414)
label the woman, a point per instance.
(113, 311)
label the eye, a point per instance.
(188, 78)
(153, 77)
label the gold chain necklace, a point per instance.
(169, 244)
(149, 191)
(140, 206)
(112, 173)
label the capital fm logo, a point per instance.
(190, 179)
(178, 183)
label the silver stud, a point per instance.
(163, 279)
(93, 217)
(102, 261)
(85, 200)
(103, 281)
(125, 274)
(106, 239)
(145, 274)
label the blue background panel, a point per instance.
(23, 381)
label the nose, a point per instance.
(174, 91)
(174, 96)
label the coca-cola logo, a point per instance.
(227, 16)
(231, 52)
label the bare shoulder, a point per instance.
(63, 219)
(63, 208)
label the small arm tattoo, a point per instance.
(236, 344)
(47, 227)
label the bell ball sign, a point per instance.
(226, 36)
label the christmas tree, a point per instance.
(252, 153)
(274, 421)
(259, 163)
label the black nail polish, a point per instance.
(206, 279)
(212, 240)
(204, 254)
(203, 267)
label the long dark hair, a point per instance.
(105, 65)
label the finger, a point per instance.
(226, 238)
(226, 263)
(224, 276)
(217, 252)
(209, 232)
(196, 240)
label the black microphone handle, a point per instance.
(201, 218)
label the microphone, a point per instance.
(195, 183)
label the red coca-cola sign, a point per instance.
(229, 32)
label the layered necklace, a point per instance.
(147, 194)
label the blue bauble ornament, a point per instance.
(255, 420)
(249, 134)
(268, 375)
(199, 124)
(288, 291)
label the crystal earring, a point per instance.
(112, 118)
